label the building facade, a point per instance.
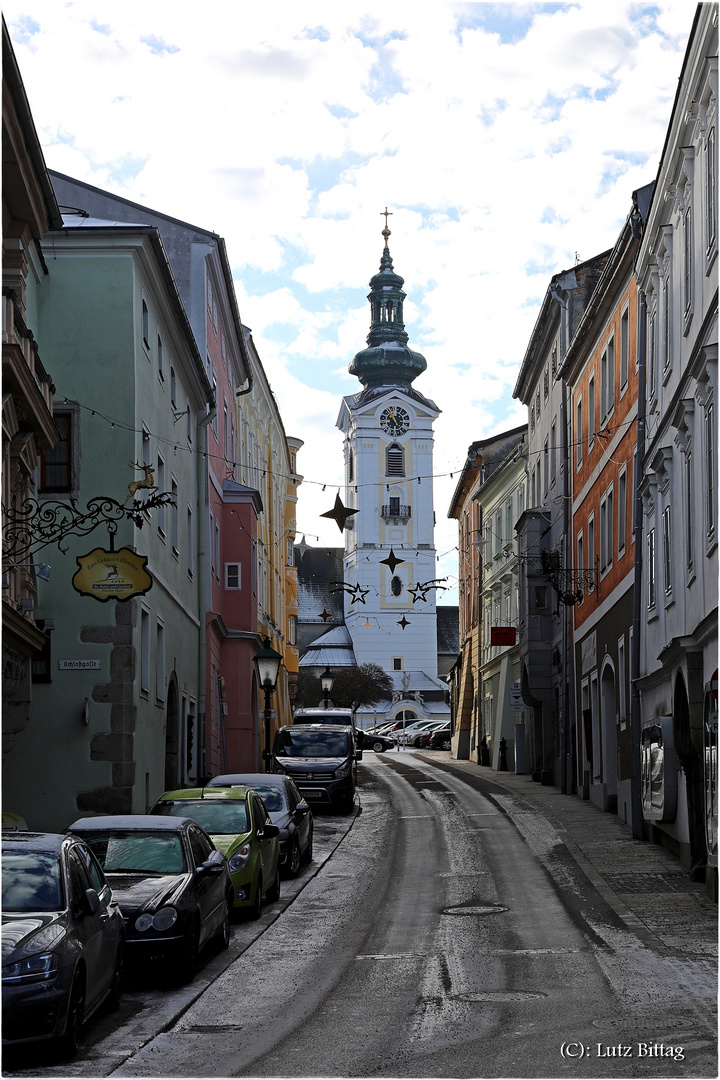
(678, 298)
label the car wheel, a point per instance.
(223, 934)
(378, 747)
(256, 910)
(69, 1041)
(273, 893)
(115, 992)
(446, 744)
(309, 849)
(187, 961)
(293, 863)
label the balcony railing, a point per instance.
(396, 510)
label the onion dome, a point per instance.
(387, 361)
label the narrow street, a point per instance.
(448, 932)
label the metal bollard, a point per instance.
(502, 765)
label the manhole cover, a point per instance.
(475, 909)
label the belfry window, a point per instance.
(395, 460)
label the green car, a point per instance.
(240, 827)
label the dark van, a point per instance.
(321, 759)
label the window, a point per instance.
(145, 651)
(290, 552)
(546, 383)
(395, 461)
(553, 447)
(651, 354)
(292, 630)
(666, 326)
(591, 420)
(146, 326)
(621, 683)
(215, 417)
(174, 517)
(160, 662)
(532, 417)
(537, 405)
(591, 542)
(580, 565)
(606, 531)
(161, 373)
(351, 466)
(710, 191)
(226, 432)
(689, 506)
(397, 663)
(578, 434)
(161, 518)
(394, 506)
(217, 550)
(624, 348)
(633, 515)
(622, 511)
(212, 545)
(396, 585)
(607, 380)
(189, 525)
(666, 551)
(232, 575)
(189, 430)
(56, 464)
(509, 522)
(498, 532)
(173, 387)
(651, 568)
(546, 467)
(710, 508)
(687, 262)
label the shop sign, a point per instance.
(112, 575)
(502, 635)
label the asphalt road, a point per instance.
(447, 934)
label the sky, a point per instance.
(506, 139)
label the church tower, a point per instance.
(389, 543)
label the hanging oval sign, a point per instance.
(112, 575)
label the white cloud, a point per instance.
(504, 139)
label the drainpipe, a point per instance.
(203, 598)
(562, 299)
(638, 824)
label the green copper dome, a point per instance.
(388, 361)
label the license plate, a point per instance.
(313, 793)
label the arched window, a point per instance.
(395, 460)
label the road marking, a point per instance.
(392, 956)
(407, 817)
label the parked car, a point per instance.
(422, 737)
(240, 826)
(62, 939)
(442, 739)
(172, 884)
(372, 740)
(287, 809)
(407, 734)
(321, 759)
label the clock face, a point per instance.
(394, 420)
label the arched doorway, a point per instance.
(608, 712)
(691, 762)
(172, 738)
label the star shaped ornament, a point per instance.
(392, 561)
(325, 615)
(339, 513)
(403, 622)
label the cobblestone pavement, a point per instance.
(645, 884)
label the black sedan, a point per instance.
(172, 884)
(287, 809)
(62, 939)
(378, 743)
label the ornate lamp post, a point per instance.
(267, 666)
(326, 681)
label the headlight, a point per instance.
(41, 968)
(161, 920)
(344, 770)
(240, 858)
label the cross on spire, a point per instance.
(386, 214)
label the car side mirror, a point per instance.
(360, 740)
(269, 831)
(90, 902)
(358, 755)
(302, 808)
(213, 864)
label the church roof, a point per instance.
(317, 569)
(333, 649)
(448, 629)
(388, 361)
(366, 396)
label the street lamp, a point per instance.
(267, 667)
(326, 681)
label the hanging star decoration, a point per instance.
(420, 591)
(325, 615)
(392, 561)
(356, 591)
(403, 622)
(339, 513)
(367, 624)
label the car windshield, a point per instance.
(217, 817)
(273, 797)
(312, 744)
(31, 881)
(152, 853)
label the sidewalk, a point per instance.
(644, 883)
